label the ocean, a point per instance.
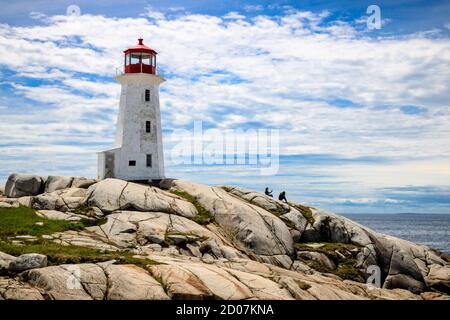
(429, 229)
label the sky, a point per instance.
(362, 114)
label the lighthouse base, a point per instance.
(137, 167)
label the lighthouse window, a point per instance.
(147, 126)
(146, 59)
(132, 163)
(147, 95)
(149, 160)
(135, 58)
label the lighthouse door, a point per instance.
(109, 165)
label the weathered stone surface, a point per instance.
(317, 260)
(230, 253)
(245, 253)
(69, 282)
(11, 289)
(25, 201)
(180, 283)
(246, 225)
(434, 296)
(407, 262)
(28, 261)
(57, 215)
(5, 205)
(280, 260)
(54, 183)
(211, 247)
(5, 260)
(259, 199)
(207, 279)
(84, 238)
(295, 219)
(404, 281)
(439, 278)
(84, 183)
(261, 288)
(20, 185)
(286, 212)
(61, 200)
(127, 228)
(113, 194)
(129, 282)
(330, 227)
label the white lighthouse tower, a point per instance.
(138, 151)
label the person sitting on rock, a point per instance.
(282, 197)
(268, 193)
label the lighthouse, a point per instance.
(138, 153)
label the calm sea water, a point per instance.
(429, 229)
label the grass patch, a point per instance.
(204, 216)
(84, 210)
(347, 271)
(59, 254)
(22, 221)
(305, 211)
(345, 266)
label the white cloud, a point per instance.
(290, 72)
(250, 8)
(233, 15)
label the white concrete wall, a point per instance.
(132, 141)
(101, 165)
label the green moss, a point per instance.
(347, 271)
(302, 285)
(305, 211)
(345, 266)
(59, 254)
(22, 221)
(84, 210)
(204, 216)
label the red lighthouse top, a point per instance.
(140, 59)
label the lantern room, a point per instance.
(140, 59)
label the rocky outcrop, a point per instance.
(130, 228)
(247, 226)
(5, 260)
(61, 200)
(19, 185)
(58, 215)
(202, 242)
(12, 289)
(438, 278)
(112, 194)
(403, 264)
(28, 261)
(54, 183)
(317, 260)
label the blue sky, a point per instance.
(363, 114)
